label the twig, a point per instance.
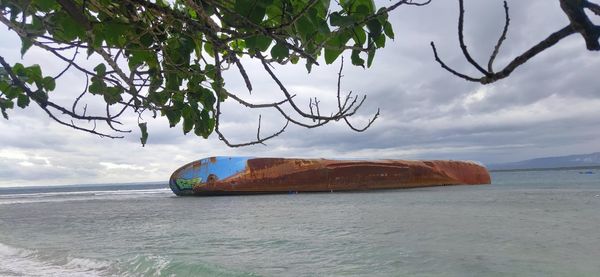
(501, 39)
(491, 76)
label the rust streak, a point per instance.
(277, 175)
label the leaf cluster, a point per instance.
(167, 57)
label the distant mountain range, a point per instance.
(584, 160)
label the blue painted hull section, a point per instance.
(183, 180)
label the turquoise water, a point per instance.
(529, 223)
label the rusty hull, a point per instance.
(278, 175)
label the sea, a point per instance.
(526, 223)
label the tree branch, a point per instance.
(491, 76)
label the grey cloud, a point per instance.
(549, 106)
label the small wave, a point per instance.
(152, 265)
(24, 262)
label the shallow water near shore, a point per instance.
(533, 223)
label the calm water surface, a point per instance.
(530, 223)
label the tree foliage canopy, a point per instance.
(167, 58)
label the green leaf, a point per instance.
(65, 27)
(112, 95)
(374, 27)
(159, 97)
(370, 57)
(198, 46)
(259, 42)
(100, 69)
(144, 130)
(97, 85)
(387, 29)
(4, 85)
(45, 5)
(49, 83)
(336, 19)
(280, 52)
(12, 92)
(360, 37)
(115, 33)
(294, 59)
(252, 10)
(174, 116)
(40, 96)
(178, 98)
(4, 105)
(139, 57)
(22, 101)
(203, 126)
(335, 46)
(35, 72)
(192, 13)
(356, 59)
(380, 41)
(362, 10)
(19, 69)
(210, 71)
(304, 27)
(367, 7)
(188, 119)
(208, 47)
(173, 81)
(26, 43)
(383, 17)
(332, 54)
(207, 98)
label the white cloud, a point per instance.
(109, 166)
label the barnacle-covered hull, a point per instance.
(246, 175)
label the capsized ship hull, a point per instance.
(247, 175)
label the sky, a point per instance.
(548, 107)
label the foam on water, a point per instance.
(24, 262)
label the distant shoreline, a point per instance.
(546, 168)
(83, 187)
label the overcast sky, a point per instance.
(550, 106)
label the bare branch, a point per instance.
(240, 67)
(532, 52)
(595, 8)
(449, 69)
(87, 83)
(340, 106)
(44, 104)
(491, 76)
(463, 47)
(283, 89)
(69, 64)
(500, 40)
(574, 9)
